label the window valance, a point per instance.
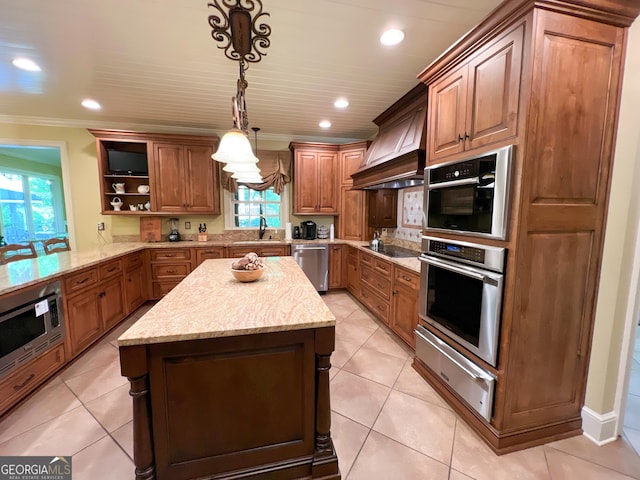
(275, 168)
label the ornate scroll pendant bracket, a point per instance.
(242, 36)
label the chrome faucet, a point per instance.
(263, 226)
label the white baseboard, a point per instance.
(599, 428)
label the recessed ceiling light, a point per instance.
(341, 103)
(393, 36)
(26, 64)
(91, 104)
(325, 124)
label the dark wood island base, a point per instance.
(248, 406)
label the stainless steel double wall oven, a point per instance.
(461, 284)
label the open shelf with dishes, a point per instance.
(146, 173)
(124, 170)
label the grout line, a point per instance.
(574, 455)
(42, 423)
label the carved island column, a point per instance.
(133, 365)
(325, 461)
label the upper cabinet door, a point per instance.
(203, 180)
(350, 161)
(447, 114)
(306, 182)
(169, 185)
(327, 181)
(315, 181)
(185, 179)
(477, 104)
(494, 91)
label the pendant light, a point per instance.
(244, 39)
(247, 173)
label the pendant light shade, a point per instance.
(247, 177)
(235, 148)
(234, 167)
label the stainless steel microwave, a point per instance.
(469, 197)
(31, 322)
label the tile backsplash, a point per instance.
(409, 230)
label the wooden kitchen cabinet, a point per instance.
(351, 223)
(82, 312)
(261, 250)
(28, 376)
(561, 79)
(404, 307)
(112, 304)
(336, 266)
(375, 285)
(383, 208)
(205, 253)
(353, 271)
(351, 158)
(185, 179)
(94, 299)
(315, 179)
(477, 104)
(135, 281)
(169, 266)
(181, 176)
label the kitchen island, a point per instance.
(231, 380)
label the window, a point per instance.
(246, 206)
(32, 206)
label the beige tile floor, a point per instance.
(387, 423)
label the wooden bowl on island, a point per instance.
(247, 275)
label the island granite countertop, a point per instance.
(211, 303)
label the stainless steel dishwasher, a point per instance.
(314, 262)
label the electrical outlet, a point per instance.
(187, 225)
(100, 226)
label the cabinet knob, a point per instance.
(466, 136)
(460, 138)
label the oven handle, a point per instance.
(466, 271)
(455, 183)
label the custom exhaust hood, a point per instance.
(396, 158)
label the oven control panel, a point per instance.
(447, 249)
(483, 256)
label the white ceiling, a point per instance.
(153, 65)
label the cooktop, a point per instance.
(397, 252)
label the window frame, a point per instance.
(229, 213)
(59, 200)
(65, 166)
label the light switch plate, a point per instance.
(187, 225)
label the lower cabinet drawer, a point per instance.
(170, 254)
(80, 280)
(170, 270)
(376, 282)
(28, 376)
(409, 279)
(110, 269)
(160, 289)
(377, 305)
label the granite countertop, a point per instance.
(211, 303)
(24, 273)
